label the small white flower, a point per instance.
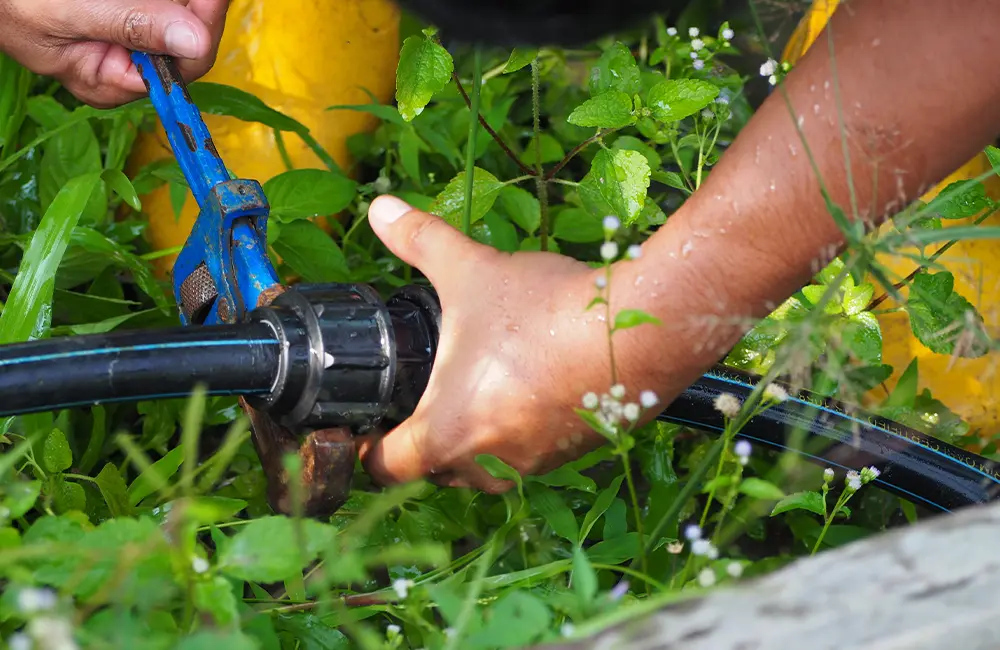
(609, 250)
(392, 630)
(382, 185)
(728, 34)
(601, 282)
(671, 31)
(648, 399)
(706, 577)
(707, 114)
(567, 629)
(722, 99)
(618, 391)
(773, 80)
(634, 252)
(363, 207)
(768, 68)
(728, 404)
(611, 224)
(775, 393)
(31, 600)
(742, 448)
(693, 32)
(675, 547)
(52, 632)
(692, 532)
(827, 475)
(701, 547)
(694, 55)
(853, 481)
(631, 412)
(449, 632)
(19, 641)
(734, 569)
(712, 553)
(619, 590)
(698, 64)
(402, 587)
(869, 474)
(697, 44)
(590, 401)
(199, 564)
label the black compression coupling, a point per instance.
(348, 358)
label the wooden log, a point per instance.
(931, 586)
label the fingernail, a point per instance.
(181, 40)
(388, 208)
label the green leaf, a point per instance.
(517, 620)
(20, 497)
(578, 226)
(863, 335)
(633, 143)
(550, 150)
(521, 207)
(450, 203)
(311, 253)
(219, 99)
(215, 639)
(611, 110)
(56, 454)
(994, 157)
(629, 318)
(547, 502)
(15, 85)
(308, 193)
(670, 179)
(72, 152)
(760, 489)
(584, 576)
(615, 70)
(675, 99)
(905, 393)
(424, 69)
(156, 476)
(267, 549)
(811, 501)
(384, 112)
(27, 313)
(502, 234)
(857, 298)
(122, 186)
(960, 200)
(114, 491)
(520, 58)
(941, 318)
(601, 505)
(498, 469)
(622, 178)
(215, 597)
(566, 477)
(615, 550)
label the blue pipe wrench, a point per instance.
(223, 273)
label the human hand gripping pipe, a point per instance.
(315, 365)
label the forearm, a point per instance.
(913, 88)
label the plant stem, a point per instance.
(635, 510)
(470, 154)
(493, 134)
(577, 149)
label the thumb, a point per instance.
(422, 240)
(393, 458)
(153, 26)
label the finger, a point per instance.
(153, 26)
(213, 14)
(395, 457)
(423, 240)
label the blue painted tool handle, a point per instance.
(186, 130)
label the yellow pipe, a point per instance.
(299, 57)
(970, 387)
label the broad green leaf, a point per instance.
(547, 502)
(516, 620)
(760, 489)
(215, 597)
(219, 99)
(424, 69)
(676, 99)
(267, 549)
(307, 193)
(550, 150)
(578, 226)
(857, 298)
(629, 318)
(382, 111)
(68, 496)
(611, 110)
(20, 497)
(115, 493)
(56, 454)
(622, 178)
(633, 143)
(601, 505)
(450, 203)
(311, 253)
(216, 639)
(941, 318)
(520, 58)
(615, 520)
(584, 576)
(15, 84)
(27, 313)
(498, 469)
(960, 200)
(410, 146)
(615, 70)
(156, 476)
(994, 157)
(863, 335)
(615, 550)
(501, 233)
(670, 179)
(566, 477)
(811, 501)
(122, 186)
(521, 207)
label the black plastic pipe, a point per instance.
(913, 465)
(74, 371)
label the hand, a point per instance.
(518, 350)
(85, 44)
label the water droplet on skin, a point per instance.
(638, 280)
(812, 88)
(722, 231)
(876, 42)
(756, 158)
(552, 332)
(686, 249)
(802, 120)
(826, 85)
(815, 109)
(792, 150)
(772, 184)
